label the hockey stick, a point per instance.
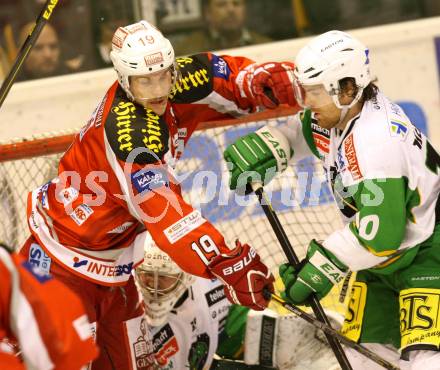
(294, 261)
(41, 21)
(334, 333)
(322, 321)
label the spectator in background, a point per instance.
(107, 16)
(104, 42)
(44, 60)
(225, 28)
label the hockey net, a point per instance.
(300, 195)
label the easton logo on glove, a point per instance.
(241, 264)
(275, 143)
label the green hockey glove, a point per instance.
(317, 273)
(257, 157)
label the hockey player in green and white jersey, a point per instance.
(384, 175)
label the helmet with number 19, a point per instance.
(144, 61)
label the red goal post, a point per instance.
(300, 195)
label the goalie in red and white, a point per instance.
(115, 182)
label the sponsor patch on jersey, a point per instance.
(182, 132)
(130, 128)
(39, 259)
(319, 129)
(140, 343)
(102, 268)
(124, 114)
(350, 154)
(39, 274)
(78, 263)
(398, 129)
(95, 119)
(184, 226)
(220, 67)
(196, 80)
(121, 228)
(81, 213)
(153, 133)
(165, 344)
(215, 295)
(67, 195)
(109, 270)
(148, 180)
(321, 142)
(43, 191)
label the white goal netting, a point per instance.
(300, 196)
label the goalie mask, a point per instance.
(140, 49)
(323, 62)
(161, 283)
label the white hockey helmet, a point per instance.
(161, 283)
(327, 59)
(140, 49)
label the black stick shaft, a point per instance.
(334, 333)
(293, 260)
(26, 48)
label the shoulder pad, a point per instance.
(196, 81)
(129, 126)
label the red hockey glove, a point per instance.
(244, 276)
(270, 84)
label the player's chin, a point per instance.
(324, 122)
(158, 106)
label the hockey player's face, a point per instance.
(152, 90)
(317, 99)
(158, 284)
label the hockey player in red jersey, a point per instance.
(51, 334)
(115, 182)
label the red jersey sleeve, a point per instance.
(47, 319)
(176, 227)
(215, 81)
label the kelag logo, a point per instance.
(148, 180)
